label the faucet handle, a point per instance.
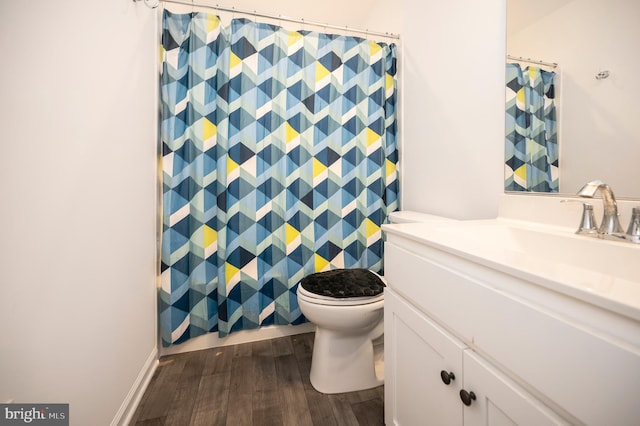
(588, 224)
(633, 232)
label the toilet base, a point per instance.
(343, 362)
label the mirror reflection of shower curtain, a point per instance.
(531, 150)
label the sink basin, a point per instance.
(565, 249)
(600, 271)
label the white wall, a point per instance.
(599, 136)
(373, 15)
(453, 107)
(380, 15)
(77, 184)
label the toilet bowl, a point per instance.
(344, 359)
(343, 352)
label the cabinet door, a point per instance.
(498, 400)
(416, 352)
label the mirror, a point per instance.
(595, 44)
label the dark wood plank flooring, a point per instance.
(259, 383)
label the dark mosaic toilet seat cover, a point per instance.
(343, 283)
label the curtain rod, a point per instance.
(532, 61)
(276, 17)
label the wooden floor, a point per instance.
(259, 383)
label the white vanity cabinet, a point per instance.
(416, 351)
(427, 368)
(531, 354)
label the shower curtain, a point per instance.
(531, 151)
(279, 159)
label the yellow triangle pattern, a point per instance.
(210, 129)
(521, 172)
(231, 165)
(389, 81)
(320, 262)
(162, 52)
(210, 236)
(291, 133)
(371, 228)
(318, 167)
(372, 137)
(391, 168)
(230, 271)
(294, 37)
(212, 22)
(520, 95)
(321, 71)
(291, 233)
(235, 61)
(374, 48)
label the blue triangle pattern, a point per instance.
(531, 146)
(271, 186)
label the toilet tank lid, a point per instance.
(408, 216)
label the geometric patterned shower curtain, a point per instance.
(279, 160)
(531, 150)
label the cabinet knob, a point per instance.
(447, 377)
(467, 397)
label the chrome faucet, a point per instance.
(610, 226)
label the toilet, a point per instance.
(348, 351)
(343, 356)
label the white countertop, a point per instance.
(602, 273)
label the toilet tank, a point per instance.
(407, 216)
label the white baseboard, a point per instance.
(130, 403)
(211, 340)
